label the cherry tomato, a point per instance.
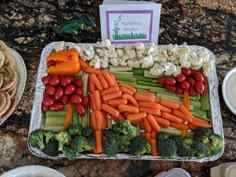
(170, 81)
(205, 80)
(85, 101)
(185, 85)
(179, 90)
(180, 78)
(56, 107)
(66, 81)
(171, 88)
(45, 107)
(199, 86)
(69, 89)
(198, 76)
(50, 90)
(78, 82)
(75, 99)
(191, 81)
(80, 109)
(45, 95)
(48, 101)
(45, 80)
(161, 80)
(54, 80)
(78, 91)
(186, 71)
(192, 92)
(51, 63)
(65, 99)
(58, 94)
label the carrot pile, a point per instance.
(122, 102)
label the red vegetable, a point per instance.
(170, 81)
(69, 90)
(54, 80)
(65, 99)
(50, 90)
(75, 99)
(185, 85)
(45, 80)
(198, 76)
(180, 78)
(162, 80)
(80, 109)
(199, 86)
(56, 107)
(78, 82)
(85, 101)
(170, 88)
(58, 94)
(186, 71)
(66, 81)
(48, 101)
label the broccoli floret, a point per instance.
(74, 130)
(125, 128)
(202, 134)
(110, 133)
(123, 143)
(88, 131)
(139, 146)
(49, 135)
(63, 138)
(110, 146)
(162, 136)
(185, 151)
(188, 141)
(36, 139)
(79, 143)
(70, 153)
(200, 149)
(51, 148)
(177, 140)
(90, 145)
(167, 148)
(215, 144)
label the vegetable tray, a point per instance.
(37, 116)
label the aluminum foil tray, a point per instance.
(37, 120)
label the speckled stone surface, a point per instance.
(27, 26)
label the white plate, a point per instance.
(33, 171)
(22, 75)
(229, 90)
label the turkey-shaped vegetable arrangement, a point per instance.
(139, 100)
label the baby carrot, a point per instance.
(162, 122)
(69, 115)
(135, 122)
(153, 111)
(127, 108)
(132, 89)
(185, 111)
(165, 109)
(131, 99)
(169, 104)
(149, 105)
(110, 110)
(108, 78)
(147, 136)
(111, 96)
(97, 99)
(200, 124)
(99, 119)
(92, 70)
(142, 125)
(171, 117)
(153, 143)
(105, 120)
(137, 116)
(153, 134)
(147, 125)
(93, 120)
(182, 116)
(153, 123)
(117, 101)
(186, 100)
(197, 119)
(103, 81)
(114, 79)
(121, 117)
(115, 119)
(91, 85)
(184, 133)
(126, 114)
(98, 147)
(96, 82)
(92, 101)
(179, 126)
(192, 127)
(83, 64)
(156, 100)
(144, 97)
(126, 90)
(111, 89)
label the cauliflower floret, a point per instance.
(202, 53)
(184, 58)
(114, 61)
(120, 53)
(60, 46)
(159, 58)
(140, 49)
(111, 52)
(207, 67)
(169, 67)
(101, 52)
(131, 53)
(77, 49)
(133, 63)
(172, 49)
(106, 43)
(104, 62)
(177, 71)
(123, 60)
(174, 59)
(195, 60)
(162, 51)
(139, 45)
(88, 52)
(157, 70)
(152, 50)
(95, 62)
(147, 62)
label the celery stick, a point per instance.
(75, 116)
(53, 128)
(199, 113)
(52, 121)
(142, 78)
(109, 122)
(137, 130)
(133, 80)
(123, 74)
(55, 114)
(139, 71)
(205, 102)
(196, 103)
(148, 75)
(142, 90)
(157, 89)
(142, 87)
(130, 83)
(170, 98)
(80, 119)
(148, 83)
(85, 84)
(119, 68)
(175, 132)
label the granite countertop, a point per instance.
(27, 26)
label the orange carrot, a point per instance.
(127, 108)
(105, 120)
(126, 90)
(108, 78)
(117, 101)
(153, 143)
(137, 116)
(92, 70)
(162, 122)
(111, 89)
(182, 115)
(121, 117)
(147, 125)
(110, 110)
(92, 101)
(142, 125)
(169, 104)
(150, 111)
(179, 126)
(186, 100)
(184, 133)
(126, 114)
(153, 134)
(83, 64)
(96, 82)
(93, 120)
(200, 124)
(135, 122)
(144, 97)
(192, 127)
(171, 117)
(132, 89)
(103, 81)
(185, 111)
(97, 99)
(91, 85)
(148, 136)
(114, 79)
(153, 123)
(165, 109)
(98, 147)
(111, 96)
(131, 99)
(99, 119)
(115, 119)
(197, 119)
(156, 100)
(69, 115)
(149, 105)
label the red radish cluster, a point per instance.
(60, 90)
(189, 80)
